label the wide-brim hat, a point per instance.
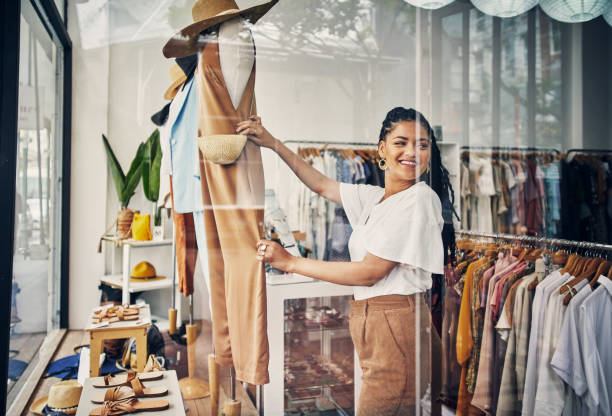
(177, 78)
(143, 270)
(63, 398)
(207, 13)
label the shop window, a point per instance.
(35, 305)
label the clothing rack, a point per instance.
(512, 148)
(589, 151)
(330, 142)
(540, 240)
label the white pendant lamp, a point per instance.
(429, 4)
(504, 8)
(608, 16)
(574, 11)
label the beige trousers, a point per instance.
(400, 354)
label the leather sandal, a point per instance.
(129, 405)
(113, 310)
(153, 364)
(136, 389)
(124, 379)
(119, 316)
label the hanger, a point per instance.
(560, 257)
(604, 268)
(591, 267)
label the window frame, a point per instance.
(10, 12)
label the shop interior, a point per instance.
(520, 100)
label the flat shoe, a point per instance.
(124, 379)
(131, 405)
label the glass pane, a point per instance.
(35, 298)
(513, 88)
(481, 78)
(452, 82)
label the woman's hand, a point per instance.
(256, 132)
(275, 255)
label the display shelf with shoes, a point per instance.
(313, 365)
(170, 403)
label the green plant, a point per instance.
(125, 184)
(151, 166)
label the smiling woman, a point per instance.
(395, 247)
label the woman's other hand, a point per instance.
(256, 132)
(275, 255)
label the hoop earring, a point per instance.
(382, 163)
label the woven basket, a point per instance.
(223, 149)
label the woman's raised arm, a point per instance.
(311, 177)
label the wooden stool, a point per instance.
(123, 329)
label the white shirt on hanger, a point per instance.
(596, 333)
(550, 393)
(405, 228)
(543, 291)
(567, 359)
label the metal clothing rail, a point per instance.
(512, 148)
(589, 151)
(330, 142)
(541, 240)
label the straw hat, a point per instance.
(177, 77)
(207, 13)
(143, 270)
(63, 398)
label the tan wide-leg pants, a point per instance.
(399, 352)
(233, 199)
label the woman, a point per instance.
(395, 247)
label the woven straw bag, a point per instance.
(223, 149)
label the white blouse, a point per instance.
(405, 228)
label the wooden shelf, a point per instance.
(135, 243)
(117, 282)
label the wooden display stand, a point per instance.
(123, 329)
(192, 387)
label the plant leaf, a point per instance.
(155, 171)
(115, 168)
(133, 177)
(151, 167)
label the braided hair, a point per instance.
(437, 178)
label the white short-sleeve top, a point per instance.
(405, 228)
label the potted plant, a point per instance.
(151, 166)
(125, 185)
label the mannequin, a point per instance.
(232, 195)
(236, 56)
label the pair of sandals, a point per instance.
(115, 314)
(123, 397)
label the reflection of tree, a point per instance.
(340, 27)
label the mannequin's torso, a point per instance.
(236, 56)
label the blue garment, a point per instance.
(552, 178)
(183, 119)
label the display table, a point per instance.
(123, 329)
(169, 381)
(280, 294)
